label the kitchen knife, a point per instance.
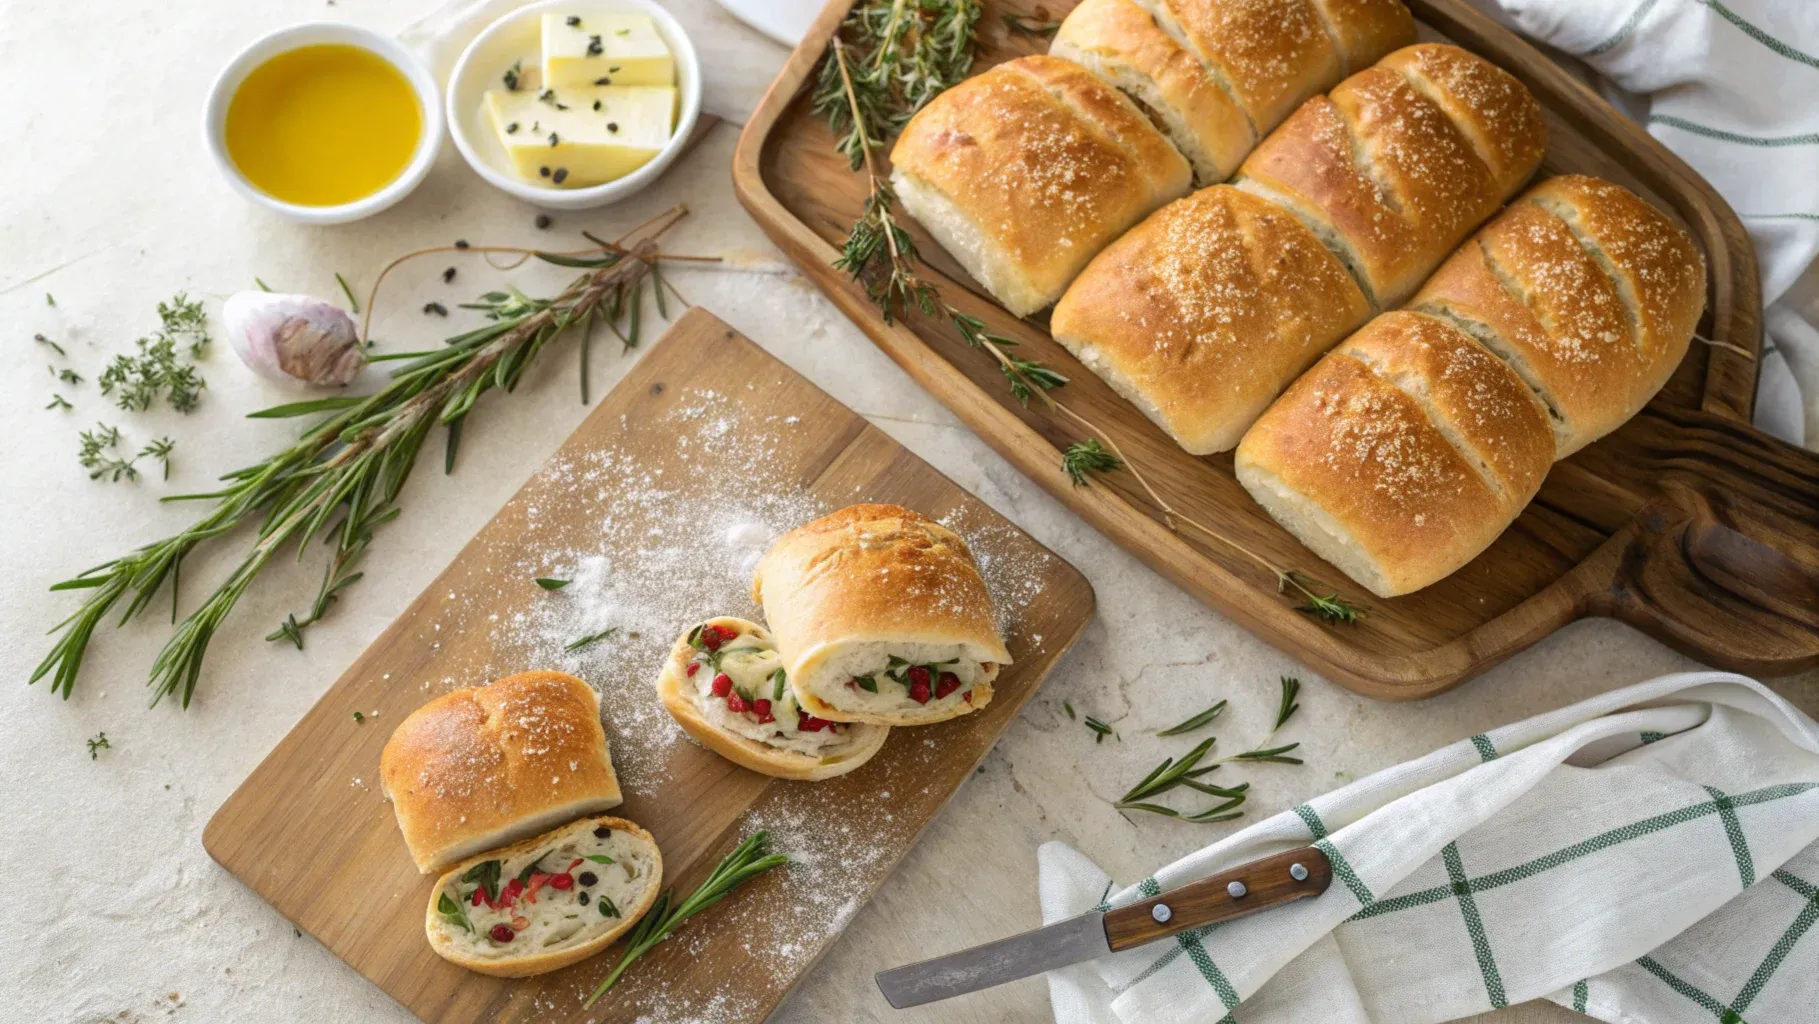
(1246, 889)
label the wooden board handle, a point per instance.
(1723, 565)
(1260, 885)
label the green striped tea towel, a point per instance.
(1649, 856)
(1729, 85)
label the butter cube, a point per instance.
(604, 49)
(573, 138)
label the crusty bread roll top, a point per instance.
(481, 767)
(725, 685)
(880, 615)
(1025, 171)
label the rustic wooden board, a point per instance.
(1686, 523)
(309, 831)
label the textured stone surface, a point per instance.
(110, 204)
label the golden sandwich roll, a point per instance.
(1203, 313)
(1401, 455)
(1587, 291)
(1216, 75)
(484, 766)
(880, 615)
(1400, 162)
(1023, 172)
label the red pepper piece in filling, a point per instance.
(918, 675)
(809, 723)
(918, 691)
(562, 882)
(712, 638)
(723, 685)
(694, 667)
(762, 708)
(509, 895)
(502, 933)
(736, 704)
(948, 683)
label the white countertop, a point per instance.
(110, 205)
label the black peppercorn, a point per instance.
(612, 126)
(561, 173)
(543, 172)
(460, 243)
(448, 275)
(587, 878)
(543, 218)
(511, 128)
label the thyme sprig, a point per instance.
(1088, 456)
(341, 479)
(751, 859)
(98, 457)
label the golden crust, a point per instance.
(1045, 160)
(1207, 310)
(673, 688)
(541, 963)
(1386, 170)
(1500, 117)
(875, 573)
(1126, 42)
(1366, 30)
(474, 763)
(1271, 54)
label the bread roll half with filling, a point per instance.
(1025, 171)
(725, 685)
(1401, 455)
(481, 767)
(1590, 293)
(547, 902)
(880, 615)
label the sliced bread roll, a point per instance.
(1397, 165)
(1590, 293)
(1204, 312)
(547, 902)
(1216, 76)
(485, 766)
(725, 685)
(1022, 173)
(1403, 454)
(880, 615)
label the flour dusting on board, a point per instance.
(662, 549)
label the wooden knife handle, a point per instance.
(1265, 883)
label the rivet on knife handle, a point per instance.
(1259, 885)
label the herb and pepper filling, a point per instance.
(544, 898)
(740, 686)
(903, 684)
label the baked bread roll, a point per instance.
(547, 902)
(485, 766)
(1204, 312)
(1397, 165)
(1588, 292)
(724, 683)
(1399, 457)
(1023, 172)
(880, 615)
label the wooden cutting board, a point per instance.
(1686, 523)
(654, 507)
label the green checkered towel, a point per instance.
(1650, 855)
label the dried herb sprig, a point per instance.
(1088, 456)
(97, 455)
(341, 479)
(751, 859)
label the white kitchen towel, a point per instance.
(1732, 86)
(1649, 855)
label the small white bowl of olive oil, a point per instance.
(324, 123)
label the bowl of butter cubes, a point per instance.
(571, 104)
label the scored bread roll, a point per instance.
(1204, 312)
(484, 766)
(1401, 161)
(1590, 293)
(764, 729)
(1215, 75)
(1401, 455)
(547, 902)
(1023, 172)
(880, 615)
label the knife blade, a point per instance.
(1259, 885)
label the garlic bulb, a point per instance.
(294, 338)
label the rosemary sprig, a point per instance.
(1195, 722)
(1325, 607)
(1088, 456)
(342, 478)
(751, 859)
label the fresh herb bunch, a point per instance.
(901, 54)
(341, 479)
(135, 382)
(751, 859)
(1186, 772)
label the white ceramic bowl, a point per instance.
(519, 35)
(429, 102)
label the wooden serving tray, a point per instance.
(706, 420)
(1687, 523)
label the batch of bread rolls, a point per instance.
(878, 617)
(1342, 165)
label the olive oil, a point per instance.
(323, 125)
